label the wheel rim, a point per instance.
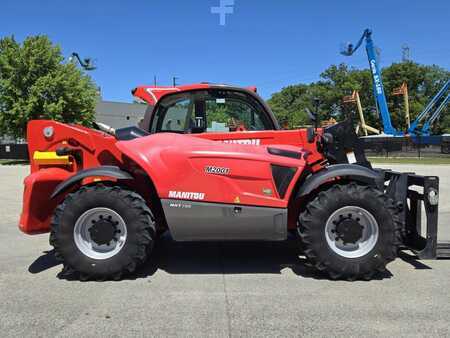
(100, 233)
(351, 232)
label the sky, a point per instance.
(266, 43)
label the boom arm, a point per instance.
(378, 89)
(427, 124)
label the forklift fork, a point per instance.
(403, 187)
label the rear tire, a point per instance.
(350, 231)
(101, 232)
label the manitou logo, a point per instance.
(253, 141)
(185, 195)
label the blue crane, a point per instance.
(426, 126)
(378, 89)
(380, 97)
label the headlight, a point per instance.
(48, 132)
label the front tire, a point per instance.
(101, 232)
(350, 231)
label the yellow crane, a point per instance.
(354, 98)
(403, 90)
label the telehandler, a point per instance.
(210, 163)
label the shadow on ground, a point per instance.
(413, 261)
(44, 262)
(227, 258)
(219, 258)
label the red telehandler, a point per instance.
(210, 162)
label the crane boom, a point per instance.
(380, 97)
(413, 129)
(426, 126)
(378, 88)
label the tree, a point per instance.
(338, 81)
(36, 84)
(289, 104)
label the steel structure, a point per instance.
(380, 98)
(426, 124)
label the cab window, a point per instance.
(234, 111)
(176, 113)
(209, 111)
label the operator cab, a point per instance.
(202, 108)
(214, 109)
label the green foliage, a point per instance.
(289, 104)
(36, 84)
(217, 113)
(231, 110)
(338, 81)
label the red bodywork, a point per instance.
(152, 94)
(172, 162)
(96, 148)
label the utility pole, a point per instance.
(174, 81)
(154, 80)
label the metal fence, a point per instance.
(407, 147)
(374, 147)
(14, 151)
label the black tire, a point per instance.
(312, 227)
(140, 229)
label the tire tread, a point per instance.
(146, 231)
(307, 225)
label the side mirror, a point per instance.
(311, 116)
(310, 135)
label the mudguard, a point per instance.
(37, 208)
(102, 171)
(353, 171)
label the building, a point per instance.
(119, 114)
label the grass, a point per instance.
(14, 162)
(410, 160)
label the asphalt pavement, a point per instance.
(216, 289)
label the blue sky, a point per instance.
(269, 44)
